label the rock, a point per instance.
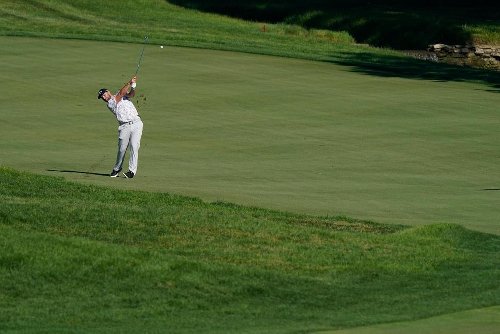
(484, 56)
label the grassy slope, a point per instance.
(103, 260)
(388, 25)
(396, 24)
(165, 24)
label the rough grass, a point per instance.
(304, 30)
(166, 24)
(90, 259)
(395, 24)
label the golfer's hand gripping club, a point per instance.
(124, 91)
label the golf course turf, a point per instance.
(309, 137)
(95, 259)
(300, 136)
(342, 189)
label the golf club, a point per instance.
(142, 54)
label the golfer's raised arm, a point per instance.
(124, 90)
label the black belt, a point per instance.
(130, 122)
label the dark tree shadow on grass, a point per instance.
(410, 24)
(76, 172)
(404, 25)
(404, 67)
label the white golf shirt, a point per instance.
(124, 110)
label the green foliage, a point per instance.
(84, 258)
(395, 24)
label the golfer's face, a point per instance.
(106, 96)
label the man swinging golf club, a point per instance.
(130, 125)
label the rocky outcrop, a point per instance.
(484, 56)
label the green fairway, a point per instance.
(483, 321)
(294, 135)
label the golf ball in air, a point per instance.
(161, 47)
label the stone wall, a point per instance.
(484, 56)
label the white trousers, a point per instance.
(129, 135)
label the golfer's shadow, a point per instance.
(76, 172)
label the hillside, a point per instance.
(386, 23)
(92, 259)
(317, 30)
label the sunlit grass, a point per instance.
(484, 34)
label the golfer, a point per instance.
(130, 126)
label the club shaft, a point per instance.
(141, 56)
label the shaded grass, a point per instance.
(394, 66)
(93, 259)
(395, 24)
